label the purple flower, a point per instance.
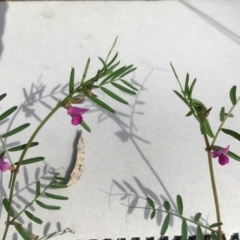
(76, 114)
(221, 154)
(4, 166)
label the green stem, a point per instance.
(15, 172)
(214, 188)
(20, 161)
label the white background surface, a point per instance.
(148, 147)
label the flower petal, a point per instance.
(223, 159)
(219, 152)
(215, 154)
(77, 120)
(225, 150)
(4, 165)
(76, 110)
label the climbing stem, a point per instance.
(214, 188)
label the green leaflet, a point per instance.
(233, 156)
(113, 95)
(101, 104)
(176, 76)
(114, 44)
(179, 204)
(207, 128)
(150, 203)
(181, 97)
(21, 147)
(104, 64)
(153, 214)
(222, 114)
(38, 188)
(7, 113)
(122, 72)
(113, 60)
(114, 75)
(31, 160)
(129, 71)
(231, 133)
(214, 236)
(108, 73)
(189, 113)
(197, 217)
(63, 179)
(233, 96)
(33, 218)
(191, 87)
(199, 233)
(124, 89)
(58, 186)
(3, 96)
(128, 84)
(85, 126)
(166, 205)
(85, 71)
(6, 206)
(16, 130)
(71, 81)
(58, 197)
(215, 224)
(24, 234)
(165, 224)
(46, 206)
(184, 230)
(186, 88)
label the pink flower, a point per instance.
(221, 154)
(4, 166)
(76, 114)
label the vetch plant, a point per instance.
(109, 73)
(200, 112)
